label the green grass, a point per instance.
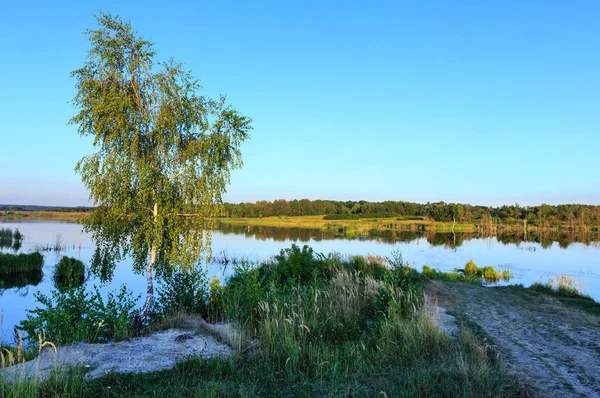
(563, 286)
(471, 273)
(17, 263)
(325, 326)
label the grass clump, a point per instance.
(17, 263)
(11, 238)
(68, 273)
(487, 273)
(563, 286)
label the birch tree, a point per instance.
(163, 152)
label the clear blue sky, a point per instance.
(422, 101)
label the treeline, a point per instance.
(544, 215)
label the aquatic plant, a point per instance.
(10, 238)
(69, 272)
(17, 263)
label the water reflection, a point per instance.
(20, 280)
(449, 240)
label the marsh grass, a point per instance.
(10, 238)
(68, 273)
(487, 273)
(56, 246)
(564, 286)
(19, 263)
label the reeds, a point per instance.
(18, 263)
(69, 272)
(10, 238)
(565, 286)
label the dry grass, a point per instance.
(355, 227)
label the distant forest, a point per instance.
(544, 215)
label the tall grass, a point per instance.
(10, 238)
(17, 263)
(68, 273)
(565, 286)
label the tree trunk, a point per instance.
(149, 280)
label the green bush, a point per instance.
(15, 263)
(245, 289)
(68, 267)
(295, 265)
(76, 315)
(68, 273)
(471, 269)
(183, 291)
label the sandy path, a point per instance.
(555, 347)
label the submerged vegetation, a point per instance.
(10, 238)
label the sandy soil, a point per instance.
(554, 347)
(158, 351)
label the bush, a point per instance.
(471, 269)
(401, 274)
(183, 291)
(300, 266)
(245, 289)
(76, 315)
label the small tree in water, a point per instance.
(164, 152)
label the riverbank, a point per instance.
(340, 326)
(9, 215)
(315, 326)
(350, 227)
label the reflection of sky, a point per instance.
(528, 262)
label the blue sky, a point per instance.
(423, 101)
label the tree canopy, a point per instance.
(164, 152)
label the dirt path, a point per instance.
(555, 347)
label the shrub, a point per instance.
(471, 269)
(183, 291)
(69, 266)
(400, 273)
(300, 266)
(490, 274)
(76, 315)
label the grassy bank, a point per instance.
(350, 227)
(313, 325)
(10, 215)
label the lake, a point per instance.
(532, 260)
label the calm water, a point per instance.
(529, 261)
